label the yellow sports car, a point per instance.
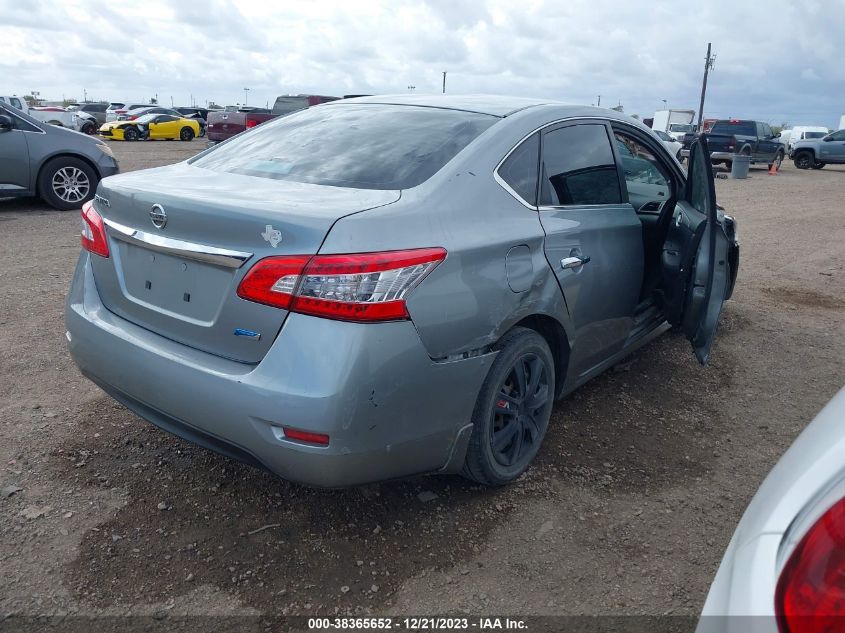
(150, 127)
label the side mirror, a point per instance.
(5, 123)
(827, 139)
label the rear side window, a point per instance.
(520, 169)
(361, 146)
(578, 167)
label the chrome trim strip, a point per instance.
(179, 248)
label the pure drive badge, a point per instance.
(274, 236)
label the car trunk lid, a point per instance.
(181, 238)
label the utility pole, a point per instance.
(444, 82)
(598, 103)
(709, 61)
(246, 90)
(84, 96)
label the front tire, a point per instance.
(130, 134)
(89, 128)
(513, 409)
(819, 165)
(67, 183)
(804, 160)
(186, 134)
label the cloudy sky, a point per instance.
(776, 60)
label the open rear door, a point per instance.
(695, 257)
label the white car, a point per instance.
(672, 145)
(62, 117)
(785, 564)
(117, 109)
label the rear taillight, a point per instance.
(93, 236)
(359, 287)
(321, 439)
(251, 122)
(810, 593)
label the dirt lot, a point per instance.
(640, 483)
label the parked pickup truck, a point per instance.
(728, 137)
(818, 152)
(224, 125)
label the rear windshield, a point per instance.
(814, 134)
(744, 128)
(680, 127)
(361, 146)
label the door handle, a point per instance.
(573, 262)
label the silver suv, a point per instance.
(816, 153)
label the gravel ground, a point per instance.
(637, 490)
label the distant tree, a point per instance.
(153, 101)
(618, 108)
(635, 116)
(30, 100)
(68, 101)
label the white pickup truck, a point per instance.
(79, 121)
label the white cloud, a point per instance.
(768, 66)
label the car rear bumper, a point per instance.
(389, 410)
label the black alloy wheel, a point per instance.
(804, 160)
(517, 415)
(512, 410)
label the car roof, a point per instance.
(496, 105)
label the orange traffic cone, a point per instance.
(774, 169)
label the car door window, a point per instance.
(646, 178)
(520, 169)
(578, 167)
(838, 136)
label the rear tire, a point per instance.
(513, 409)
(131, 134)
(186, 134)
(89, 128)
(778, 160)
(804, 160)
(67, 183)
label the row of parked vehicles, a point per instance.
(810, 147)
